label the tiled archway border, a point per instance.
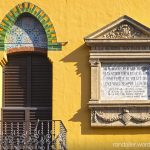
(38, 13)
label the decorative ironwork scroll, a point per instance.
(40, 135)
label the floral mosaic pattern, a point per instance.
(26, 32)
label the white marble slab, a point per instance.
(125, 81)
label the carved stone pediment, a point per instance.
(124, 28)
(120, 74)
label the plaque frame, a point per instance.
(123, 41)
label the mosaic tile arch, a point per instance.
(10, 19)
(27, 32)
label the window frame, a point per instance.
(123, 40)
(28, 108)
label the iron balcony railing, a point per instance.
(33, 135)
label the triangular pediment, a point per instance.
(124, 28)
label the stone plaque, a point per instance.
(125, 81)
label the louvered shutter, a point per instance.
(14, 115)
(27, 87)
(15, 81)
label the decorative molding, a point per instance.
(39, 14)
(97, 116)
(124, 31)
(118, 47)
(145, 118)
(124, 117)
(94, 62)
(123, 41)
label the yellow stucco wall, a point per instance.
(73, 20)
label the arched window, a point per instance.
(27, 75)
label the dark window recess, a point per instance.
(40, 82)
(27, 87)
(39, 114)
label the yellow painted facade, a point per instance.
(73, 20)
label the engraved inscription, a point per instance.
(125, 81)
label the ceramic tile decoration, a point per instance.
(26, 32)
(27, 8)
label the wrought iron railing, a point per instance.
(33, 135)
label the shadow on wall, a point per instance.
(81, 57)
